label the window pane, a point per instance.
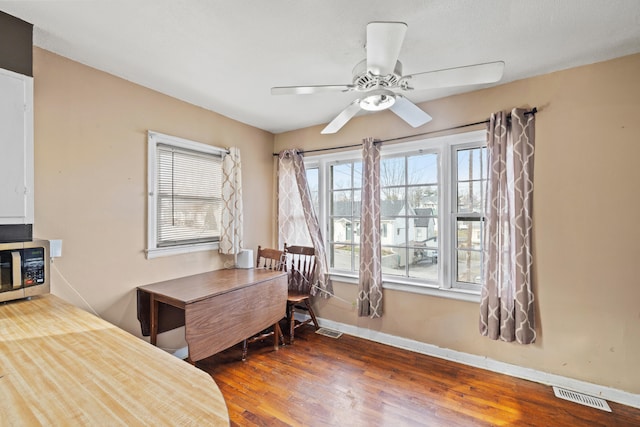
(392, 171)
(392, 202)
(356, 258)
(392, 230)
(469, 234)
(472, 164)
(423, 169)
(421, 263)
(485, 163)
(313, 183)
(341, 204)
(424, 197)
(356, 230)
(425, 265)
(342, 256)
(424, 232)
(341, 176)
(357, 175)
(394, 261)
(340, 259)
(470, 196)
(341, 229)
(469, 267)
(396, 230)
(356, 202)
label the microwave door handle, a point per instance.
(16, 266)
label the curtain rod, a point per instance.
(533, 111)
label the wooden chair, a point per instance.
(271, 259)
(301, 262)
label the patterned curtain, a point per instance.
(231, 216)
(370, 281)
(297, 221)
(506, 307)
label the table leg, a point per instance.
(154, 320)
(245, 346)
(276, 335)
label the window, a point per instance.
(344, 215)
(185, 185)
(470, 180)
(431, 205)
(409, 203)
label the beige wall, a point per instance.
(90, 183)
(586, 238)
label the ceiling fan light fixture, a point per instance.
(378, 100)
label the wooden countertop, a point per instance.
(60, 365)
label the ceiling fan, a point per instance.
(380, 84)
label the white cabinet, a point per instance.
(16, 148)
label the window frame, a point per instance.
(154, 139)
(445, 147)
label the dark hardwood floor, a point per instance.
(321, 381)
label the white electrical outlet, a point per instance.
(55, 248)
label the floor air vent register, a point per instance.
(329, 333)
(582, 399)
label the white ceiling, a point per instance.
(226, 55)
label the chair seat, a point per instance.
(299, 300)
(296, 296)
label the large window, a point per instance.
(431, 203)
(185, 183)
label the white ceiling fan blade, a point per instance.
(342, 118)
(460, 76)
(307, 90)
(384, 40)
(409, 112)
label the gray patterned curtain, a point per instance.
(231, 215)
(506, 307)
(297, 220)
(370, 278)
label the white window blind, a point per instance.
(189, 185)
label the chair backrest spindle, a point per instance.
(302, 263)
(271, 259)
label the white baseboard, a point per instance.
(607, 393)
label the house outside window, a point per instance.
(431, 199)
(185, 195)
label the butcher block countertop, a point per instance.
(60, 365)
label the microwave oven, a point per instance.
(24, 269)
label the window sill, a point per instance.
(457, 294)
(183, 249)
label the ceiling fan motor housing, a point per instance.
(365, 80)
